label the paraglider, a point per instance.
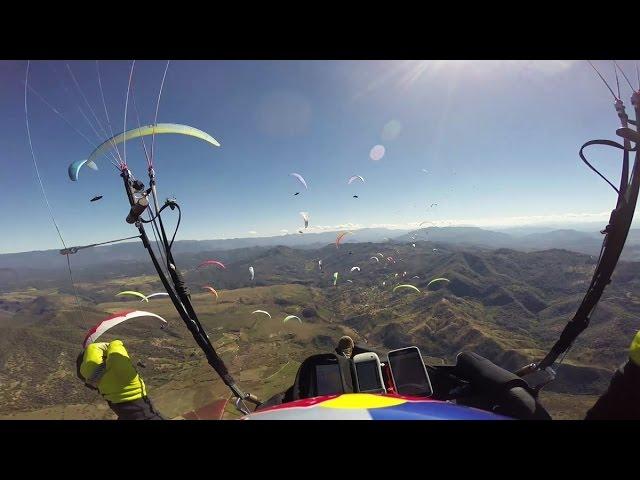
(113, 320)
(433, 205)
(410, 287)
(74, 168)
(160, 128)
(291, 317)
(354, 178)
(335, 278)
(305, 217)
(435, 250)
(355, 196)
(437, 280)
(413, 245)
(381, 255)
(252, 273)
(320, 264)
(159, 294)
(350, 281)
(262, 311)
(212, 262)
(213, 290)
(96, 198)
(297, 193)
(340, 237)
(300, 179)
(136, 294)
(375, 258)
(355, 268)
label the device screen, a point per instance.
(409, 373)
(368, 376)
(328, 379)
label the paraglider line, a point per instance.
(155, 119)
(42, 189)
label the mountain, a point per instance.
(507, 305)
(131, 258)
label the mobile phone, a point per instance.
(369, 373)
(409, 373)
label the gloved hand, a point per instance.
(634, 350)
(621, 401)
(107, 367)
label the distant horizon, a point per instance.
(597, 226)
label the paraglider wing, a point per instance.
(300, 179)
(74, 169)
(335, 278)
(291, 317)
(350, 281)
(213, 290)
(340, 237)
(261, 311)
(213, 262)
(375, 258)
(355, 268)
(381, 255)
(137, 294)
(320, 264)
(159, 294)
(354, 178)
(305, 217)
(437, 280)
(113, 320)
(96, 198)
(158, 129)
(252, 273)
(410, 287)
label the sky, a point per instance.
(492, 143)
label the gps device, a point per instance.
(409, 373)
(328, 379)
(369, 373)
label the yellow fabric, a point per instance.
(120, 381)
(158, 129)
(634, 349)
(361, 400)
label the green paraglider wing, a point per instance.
(136, 294)
(158, 129)
(411, 287)
(437, 280)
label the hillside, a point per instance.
(504, 304)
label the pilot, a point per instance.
(345, 346)
(106, 367)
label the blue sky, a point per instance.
(499, 140)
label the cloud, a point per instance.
(284, 230)
(559, 218)
(252, 232)
(331, 228)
